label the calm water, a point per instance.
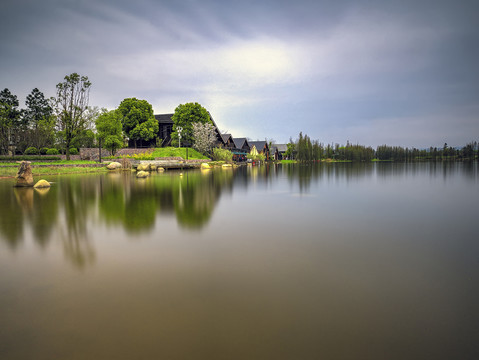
(340, 261)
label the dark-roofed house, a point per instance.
(165, 128)
(278, 151)
(241, 149)
(261, 147)
(228, 141)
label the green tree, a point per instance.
(137, 119)
(39, 117)
(109, 129)
(185, 116)
(71, 104)
(9, 120)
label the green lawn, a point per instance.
(177, 152)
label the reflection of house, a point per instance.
(278, 150)
(241, 149)
(261, 147)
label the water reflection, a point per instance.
(118, 199)
(375, 261)
(122, 200)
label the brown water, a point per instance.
(339, 261)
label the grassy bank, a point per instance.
(62, 167)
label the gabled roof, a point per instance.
(164, 118)
(280, 147)
(240, 142)
(226, 137)
(259, 145)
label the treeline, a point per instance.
(305, 149)
(398, 153)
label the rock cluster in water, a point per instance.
(24, 177)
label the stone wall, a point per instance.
(91, 154)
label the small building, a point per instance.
(262, 148)
(228, 141)
(278, 151)
(241, 149)
(165, 129)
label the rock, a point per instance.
(24, 175)
(205, 166)
(113, 165)
(153, 167)
(42, 184)
(160, 169)
(142, 174)
(143, 167)
(226, 165)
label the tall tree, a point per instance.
(71, 104)
(184, 117)
(109, 130)
(39, 118)
(137, 119)
(9, 120)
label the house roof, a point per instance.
(226, 137)
(259, 145)
(164, 118)
(280, 147)
(240, 142)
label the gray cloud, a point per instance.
(368, 71)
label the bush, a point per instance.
(29, 158)
(220, 154)
(43, 151)
(31, 151)
(73, 151)
(52, 151)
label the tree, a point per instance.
(185, 116)
(108, 126)
(137, 119)
(9, 119)
(71, 104)
(39, 118)
(204, 137)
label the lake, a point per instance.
(327, 261)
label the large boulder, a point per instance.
(143, 167)
(205, 166)
(113, 166)
(142, 174)
(24, 177)
(42, 184)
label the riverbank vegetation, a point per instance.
(305, 149)
(66, 122)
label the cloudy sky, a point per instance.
(368, 71)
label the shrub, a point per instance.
(73, 151)
(258, 157)
(52, 151)
(31, 151)
(43, 151)
(220, 154)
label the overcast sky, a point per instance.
(371, 72)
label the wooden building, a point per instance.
(165, 129)
(241, 149)
(262, 148)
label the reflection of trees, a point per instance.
(134, 203)
(77, 196)
(11, 217)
